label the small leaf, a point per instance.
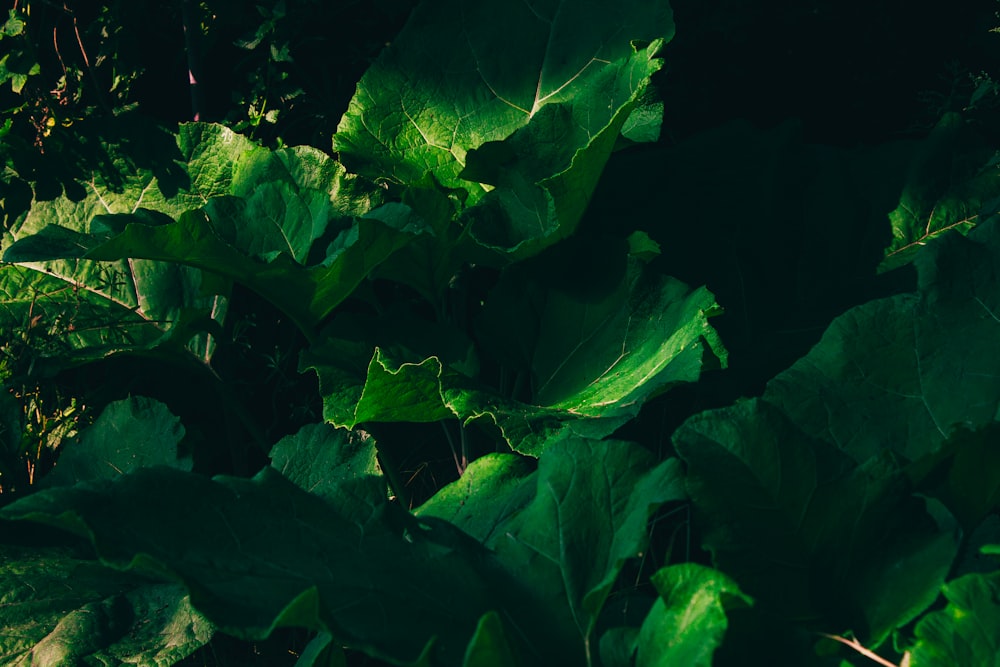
(688, 621)
(489, 646)
(337, 465)
(129, 434)
(946, 190)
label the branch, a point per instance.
(868, 653)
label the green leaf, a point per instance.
(594, 360)
(964, 474)
(904, 372)
(307, 295)
(488, 497)
(124, 305)
(967, 631)
(262, 553)
(528, 100)
(604, 356)
(807, 532)
(460, 75)
(130, 434)
(545, 172)
(337, 465)
(946, 189)
(238, 210)
(688, 621)
(59, 609)
(567, 529)
(803, 489)
(69, 316)
(582, 480)
(489, 646)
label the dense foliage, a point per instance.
(436, 344)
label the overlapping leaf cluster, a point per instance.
(841, 501)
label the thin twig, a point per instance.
(86, 61)
(454, 450)
(856, 645)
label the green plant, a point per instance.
(402, 397)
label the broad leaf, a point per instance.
(967, 631)
(542, 175)
(263, 553)
(307, 295)
(804, 488)
(337, 465)
(128, 304)
(488, 498)
(688, 621)
(242, 211)
(902, 373)
(71, 315)
(806, 531)
(130, 434)
(60, 610)
(568, 528)
(595, 361)
(542, 91)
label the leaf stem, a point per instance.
(460, 463)
(191, 45)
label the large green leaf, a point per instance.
(967, 631)
(461, 74)
(902, 373)
(59, 609)
(595, 356)
(810, 534)
(259, 554)
(567, 529)
(595, 360)
(488, 498)
(264, 553)
(557, 79)
(64, 316)
(542, 176)
(241, 211)
(803, 489)
(307, 295)
(127, 304)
